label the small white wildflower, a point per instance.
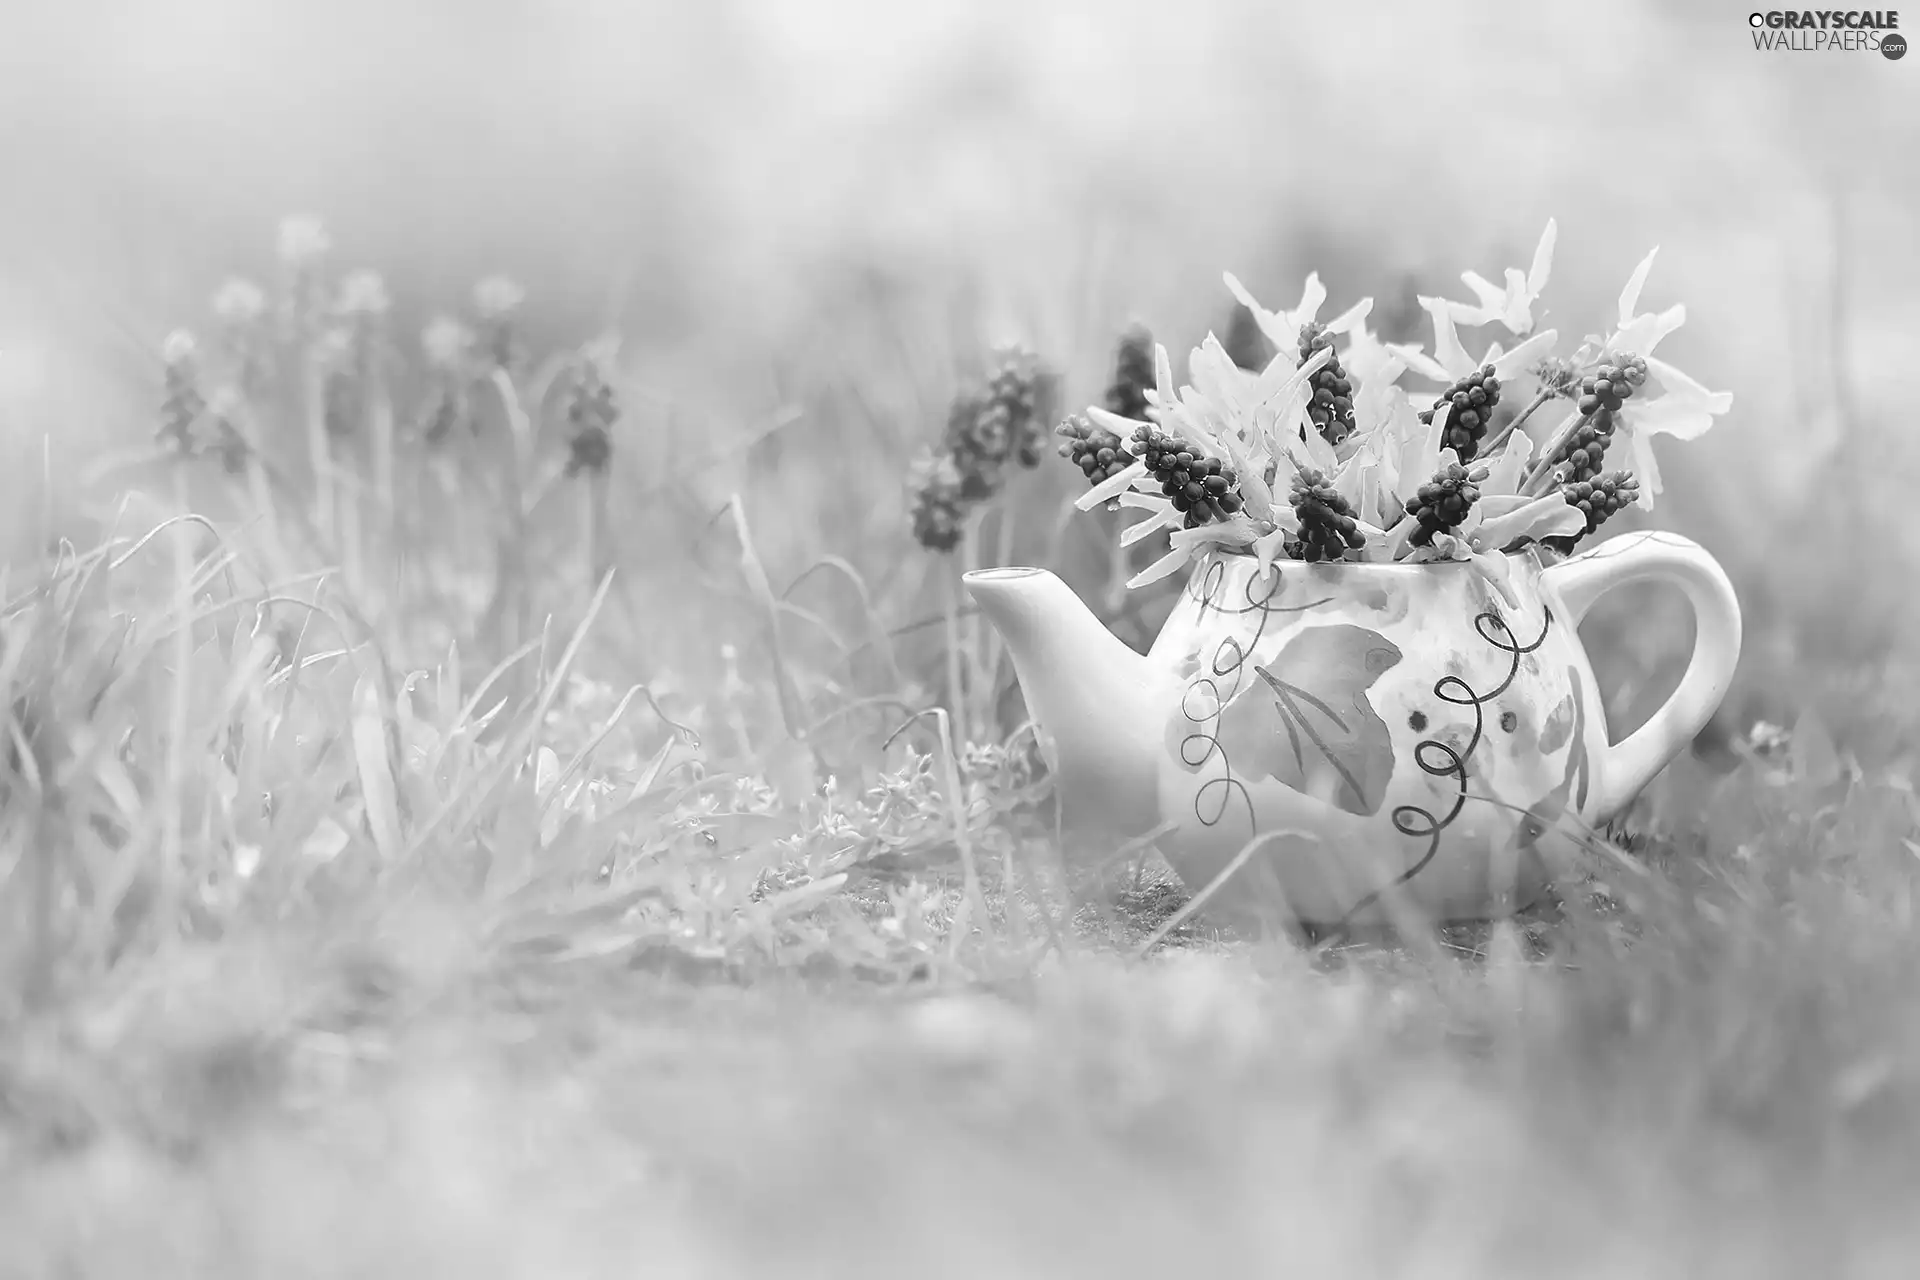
(363, 293)
(302, 239)
(239, 302)
(497, 296)
(246, 860)
(446, 342)
(178, 348)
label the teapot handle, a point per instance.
(1625, 768)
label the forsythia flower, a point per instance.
(1450, 361)
(1678, 407)
(1513, 305)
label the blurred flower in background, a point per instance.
(714, 176)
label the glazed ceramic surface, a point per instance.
(1337, 734)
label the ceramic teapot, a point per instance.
(1341, 742)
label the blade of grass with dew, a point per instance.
(585, 754)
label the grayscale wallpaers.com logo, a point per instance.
(1821, 31)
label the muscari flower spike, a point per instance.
(1474, 399)
(1597, 499)
(1331, 408)
(1199, 487)
(1441, 505)
(1000, 423)
(1023, 388)
(1579, 456)
(341, 389)
(1099, 453)
(230, 442)
(592, 409)
(978, 440)
(1328, 529)
(1612, 383)
(939, 506)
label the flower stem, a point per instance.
(596, 526)
(1499, 437)
(319, 447)
(955, 693)
(1544, 467)
(1005, 511)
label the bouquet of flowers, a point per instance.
(1323, 456)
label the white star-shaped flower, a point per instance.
(1513, 305)
(1679, 406)
(1283, 327)
(1450, 361)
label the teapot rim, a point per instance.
(1533, 552)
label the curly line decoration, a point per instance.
(1439, 760)
(1225, 674)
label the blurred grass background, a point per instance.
(833, 206)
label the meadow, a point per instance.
(498, 802)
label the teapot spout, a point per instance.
(1099, 706)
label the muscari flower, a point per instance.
(1133, 374)
(939, 507)
(1498, 518)
(592, 410)
(1254, 426)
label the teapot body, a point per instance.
(1345, 739)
